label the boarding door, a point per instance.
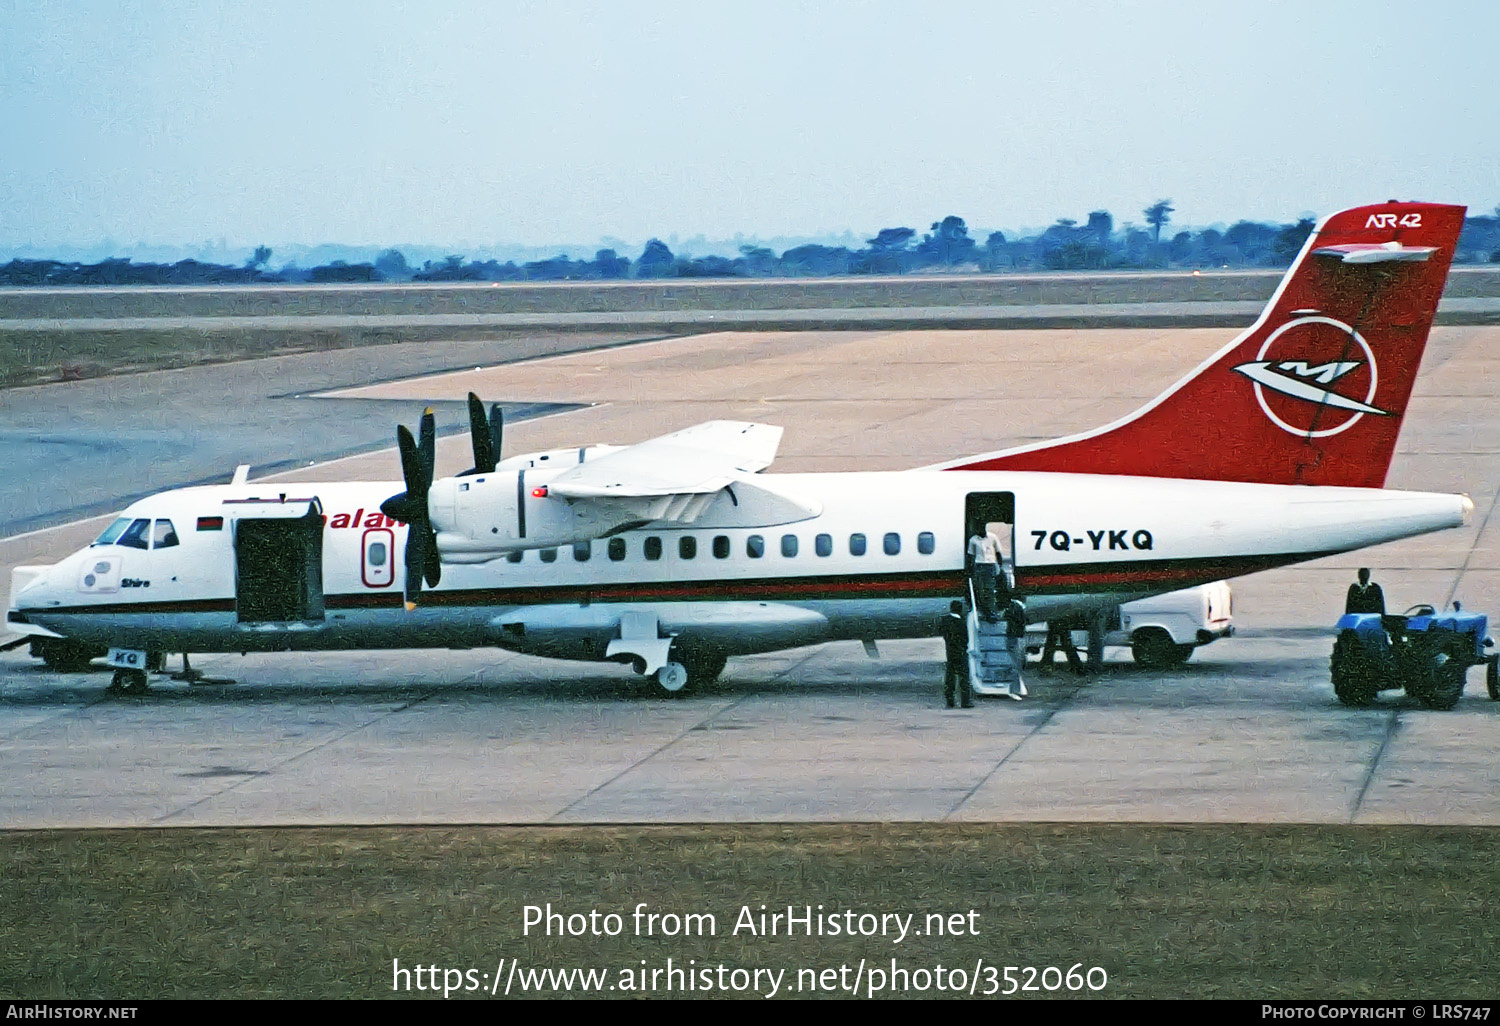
(993, 514)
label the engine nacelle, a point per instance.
(483, 516)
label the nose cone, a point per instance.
(1466, 504)
(34, 588)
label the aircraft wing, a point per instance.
(694, 461)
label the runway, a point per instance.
(1248, 731)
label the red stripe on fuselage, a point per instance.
(1148, 575)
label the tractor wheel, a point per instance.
(1154, 649)
(1492, 678)
(1445, 682)
(1353, 682)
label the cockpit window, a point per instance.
(137, 535)
(165, 535)
(112, 532)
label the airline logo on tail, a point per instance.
(1307, 383)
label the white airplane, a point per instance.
(675, 553)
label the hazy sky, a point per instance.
(371, 123)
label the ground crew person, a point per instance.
(1060, 635)
(1365, 597)
(955, 631)
(1015, 643)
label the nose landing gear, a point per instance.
(128, 682)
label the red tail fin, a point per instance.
(1313, 392)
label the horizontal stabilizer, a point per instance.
(1386, 252)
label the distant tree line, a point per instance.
(1097, 244)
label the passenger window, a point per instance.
(789, 545)
(755, 546)
(823, 544)
(377, 553)
(582, 551)
(721, 546)
(165, 535)
(653, 547)
(112, 532)
(687, 546)
(137, 535)
(549, 555)
(617, 549)
(892, 544)
(517, 556)
(925, 543)
(856, 545)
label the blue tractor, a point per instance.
(1422, 651)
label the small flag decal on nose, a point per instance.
(210, 523)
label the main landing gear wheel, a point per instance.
(704, 668)
(129, 682)
(672, 679)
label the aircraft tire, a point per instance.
(1353, 680)
(704, 668)
(129, 682)
(1445, 682)
(672, 680)
(1154, 649)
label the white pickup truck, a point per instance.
(1162, 630)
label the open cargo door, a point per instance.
(278, 560)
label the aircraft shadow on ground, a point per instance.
(1276, 685)
(93, 687)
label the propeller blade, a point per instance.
(427, 447)
(432, 570)
(416, 539)
(481, 431)
(410, 507)
(497, 426)
(411, 465)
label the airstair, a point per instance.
(991, 668)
